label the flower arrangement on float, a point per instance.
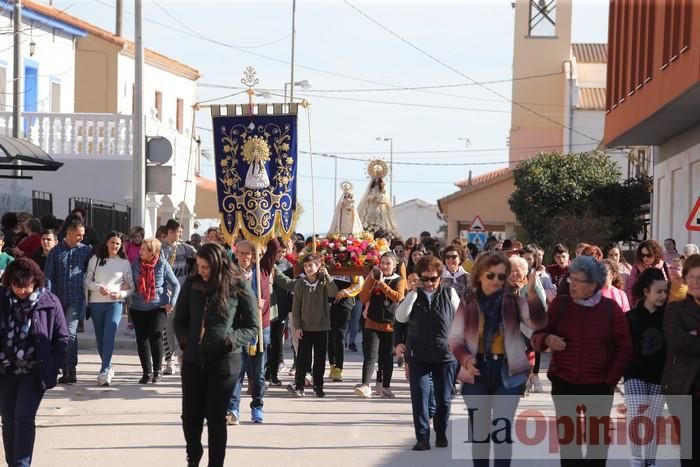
(349, 255)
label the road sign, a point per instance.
(477, 238)
(693, 222)
(477, 225)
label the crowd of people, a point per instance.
(455, 318)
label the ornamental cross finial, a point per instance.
(249, 79)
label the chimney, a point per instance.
(120, 11)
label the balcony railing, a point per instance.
(77, 135)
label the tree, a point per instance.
(575, 197)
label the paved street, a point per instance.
(131, 424)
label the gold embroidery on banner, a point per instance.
(250, 210)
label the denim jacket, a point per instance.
(165, 282)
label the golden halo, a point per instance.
(346, 187)
(256, 149)
(378, 169)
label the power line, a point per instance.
(455, 70)
(429, 151)
(195, 33)
(200, 36)
(403, 88)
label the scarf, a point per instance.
(490, 306)
(17, 350)
(147, 280)
(310, 285)
(446, 274)
(591, 301)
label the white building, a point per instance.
(95, 142)
(414, 216)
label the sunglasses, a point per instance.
(451, 256)
(492, 275)
(647, 255)
(431, 279)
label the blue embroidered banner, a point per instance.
(256, 166)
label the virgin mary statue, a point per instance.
(375, 207)
(346, 220)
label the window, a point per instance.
(543, 18)
(3, 88)
(55, 97)
(159, 105)
(180, 115)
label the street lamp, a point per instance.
(304, 84)
(467, 142)
(391, 166)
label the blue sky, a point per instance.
(475, 37)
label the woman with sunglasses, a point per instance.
(453, 274)
(486, 339)
(591, 346)
(649, 255)
(428, 312)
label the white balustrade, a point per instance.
(76, 135)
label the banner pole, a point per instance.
(258, 281)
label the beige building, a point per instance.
(558, 105)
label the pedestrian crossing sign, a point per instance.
(693, 222)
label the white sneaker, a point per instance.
(169, 368)
(103, 378)
(110, 375)
(636, 462)
(536, 384)
(363, 391)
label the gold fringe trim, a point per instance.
(276, 231)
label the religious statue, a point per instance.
(375, 206)
(256, 153)
(346, 220)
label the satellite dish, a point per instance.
(158, 150)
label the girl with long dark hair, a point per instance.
(215, 318)
(108, 282)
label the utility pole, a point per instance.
(120, 15)
(294, 33)
(138, 211)
(18, 79)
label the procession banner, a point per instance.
(256, 168)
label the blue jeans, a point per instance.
(419, 378)
(487, 400)
(74, 313)
(254, 367)
(106, 317)
(20, 396)
(354, 327)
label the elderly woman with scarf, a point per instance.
(486, 339)
(453, 274)
(591, 346)
(524, 282)
(156, 292)
(33, 343)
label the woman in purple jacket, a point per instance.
(33, 342)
